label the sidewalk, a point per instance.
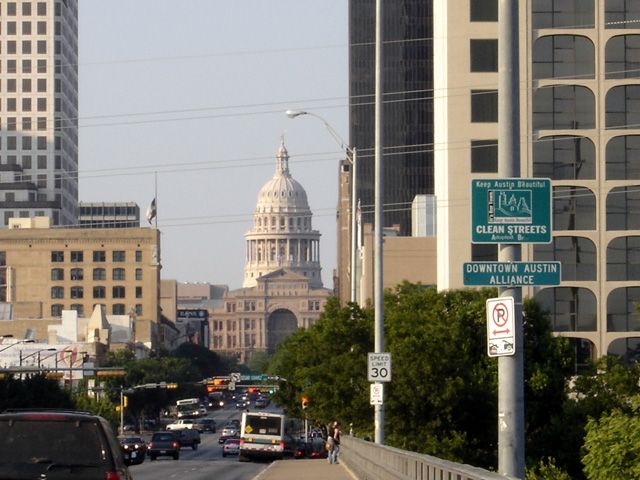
(308, 469)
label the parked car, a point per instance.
(70, 444)
(231, 446)
(134, 449)
(189, 437)
(182, 424)
(206, 425)
(164, 444)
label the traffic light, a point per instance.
(172, 386)
(125, 401)
(305, 402)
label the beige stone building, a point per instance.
(44, 271)
(282, 276)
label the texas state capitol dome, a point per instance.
(282, 235)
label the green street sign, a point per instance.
(511, 274)
(511, 210)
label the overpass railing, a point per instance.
(370, 461)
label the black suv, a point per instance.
(59, 444)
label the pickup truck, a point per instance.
(183, 424)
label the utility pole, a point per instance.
(121, 410)
(379, 205)
(510, 368)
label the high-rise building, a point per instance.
(39, 110)
(408, 105)
(579, 127)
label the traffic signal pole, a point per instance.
(510, 368)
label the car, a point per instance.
(231, 446)
(206, 425)
(230, 431)
(241, 404)
(202, 410)
(134, 449)
(234, 421)
(181, 424)
(261, 402)
(189, 437)
(54, 443)
(224, 438)
(165, 444)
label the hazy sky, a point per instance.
(196, 91)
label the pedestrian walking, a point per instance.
(334, 441)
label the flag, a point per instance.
(151, 211)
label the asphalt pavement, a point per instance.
(309, 469)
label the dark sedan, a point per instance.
(134, 450)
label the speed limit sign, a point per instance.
(379, 367)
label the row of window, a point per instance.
(26, 8)
(116, 309)
(11, 27)
(573, 309)
(98, 274)
(565, 13)
(297, 222)
(26, 47)
(11, 65)
(98, 256)
(117, 291)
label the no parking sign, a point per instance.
(500, 327)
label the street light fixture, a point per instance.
(19, 342)
(351, 153)
(33, 354)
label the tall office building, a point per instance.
(580, 127)
(39, 110)
(408, 104)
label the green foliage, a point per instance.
(205, 362)
(546, 469)
(103, 407)
(258, 362)
(33, 391)
(612, 444)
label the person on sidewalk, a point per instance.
(334, 435)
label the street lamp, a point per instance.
(351, 156)
(19, 342)
(49, 356)
(33, 354)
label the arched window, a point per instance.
(563, 56)
(623, 259)
(626, 349)
(577, 254)
(623, 158)
(574, 208)
(572, 309)
(563, 107)
(622, 312)
(622, 106)
(622, 57)
(562, 13)
(623, 208)
(621, 14)
(564, 157)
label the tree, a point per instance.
(612, 444)
(35, 391)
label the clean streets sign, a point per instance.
(511, 274)
(501, 339)
(511, 210)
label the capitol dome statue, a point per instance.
(282, 236)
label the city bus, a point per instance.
(267, 435)
(188, 408)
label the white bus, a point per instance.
(267, 435)
(188, 408)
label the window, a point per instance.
(622, 57)
(563, 13)
(99, 256)
(118, 274)
(484, 55)
(42, 8)
(118, 291)
(564, 157)
(77, 274)
(26, 8)
(138, 274)
(574, 208)
(483, 11)
(41, 46)
(41, 85)
(99, 292)
(99, 274)
(57, 274)
(622, 158)
(563, 107)
(77, 292)
(484, 156)
(623, 259)
(57, 292)
(118, 309)
(118, 256)
(621, 14)
(623, 209)
(57, 256)
(138, 292)
(577, 254)
(76, 255)
(56, 310)
(563, 56)
(622, 314)
(79, 308)
(572, 309)
(42, 28)
(623, 107)
(26, 46)
(138, 256)
(484, 106)
(138, 309)
(26, 66)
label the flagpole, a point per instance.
(155, 195)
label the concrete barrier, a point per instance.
(369, 461)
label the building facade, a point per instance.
(579, 109)
(44, 271)
(108, 215)
(39, 110)
(282, 283)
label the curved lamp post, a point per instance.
(351, 153)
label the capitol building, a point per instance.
(282, 289)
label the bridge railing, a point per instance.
(370, 461)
